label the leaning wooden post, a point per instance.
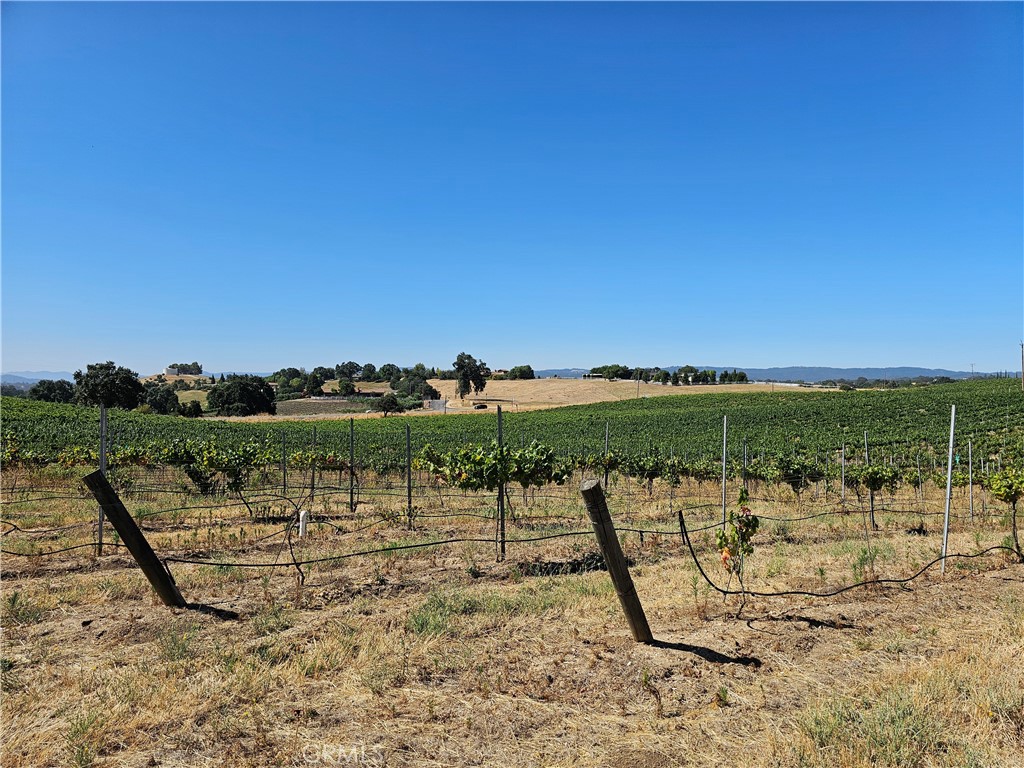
(597, 507)
(132, 537)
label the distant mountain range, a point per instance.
(31, 377)
(810, 374)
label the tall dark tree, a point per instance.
(108, 384)
(52, 391)
(242, 396)
(323, 372)
(313, 386)
(387, 371)
(470, 374)
(285, 375)
(389, 404)
(521, 372)
(192, 409)
(347, 370)
(162, 399)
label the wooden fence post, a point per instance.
(597, 507)
(133, 538)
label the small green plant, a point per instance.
(270, 619)
(17, 609)
(648, 685)
(722, 696)
(700, 596)
(176, 643)
(82, 737)
(864, 564)
(734, 542)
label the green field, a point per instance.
(900, 424)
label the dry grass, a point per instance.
(537, 394)
(188, 395)
(444, 657)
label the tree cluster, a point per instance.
(865, 383)
(684, 375)
(242, 396)
(115, 387)
(521, 372)
(161, 398)
(107, 384)
(292, 382)
(52, 391)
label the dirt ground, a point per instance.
(444, 657)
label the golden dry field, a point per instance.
(535, 394)
(441, 656)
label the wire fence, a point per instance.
(363, 515)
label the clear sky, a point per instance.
(257, 185)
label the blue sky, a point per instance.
(255, 185)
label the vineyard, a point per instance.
(903, 425)
(445, 603)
